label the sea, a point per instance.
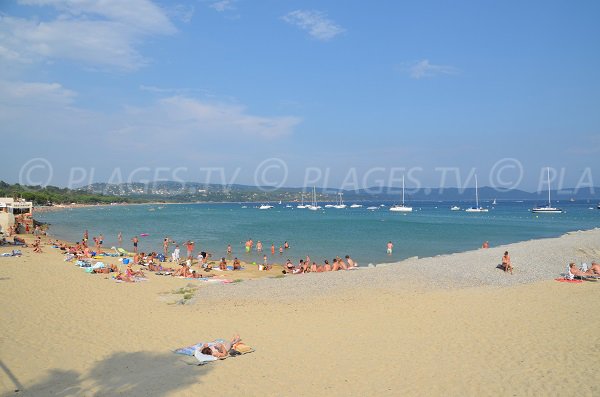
(431, 229)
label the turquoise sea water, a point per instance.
(430, 229)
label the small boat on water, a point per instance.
(598, 207)
(494, 202)
(288, 206)
(455, 208)
(244, 206)
(477, 208)
(314, 205)
(356, 206)
(548, 209)
(302, 206)
(401, 207)
(265, 207)
(340, 204)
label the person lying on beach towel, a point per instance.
(133, 273)
(225, 349)
(108, 269)
(595, 268)
(579, 273)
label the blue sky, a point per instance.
(362, 92)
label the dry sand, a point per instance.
(396, 330)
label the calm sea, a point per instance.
(429, 230)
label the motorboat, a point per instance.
(356, 206)
(477, 208)
(455, 208)
(548, 209)
(265, 207)
(401, 207)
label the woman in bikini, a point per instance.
(221, 350)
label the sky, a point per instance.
(335, 94)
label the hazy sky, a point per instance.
(332, 93)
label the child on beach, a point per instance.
(175, 254)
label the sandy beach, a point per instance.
(451, 325)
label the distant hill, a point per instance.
(194, 191)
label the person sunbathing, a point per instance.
(580, 273)
(36, 246)
(338, 264)
(595, 267)
(109, 269)
(236, 264)
(158, 268)
(221, 350)
(134, 273)
(183, 271)
(506, 265)
(223, 264)
(124, 277)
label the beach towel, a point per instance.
(195, 350)
(189, 350)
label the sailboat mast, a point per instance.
(403, 190)
(476, 193)
(549, 201)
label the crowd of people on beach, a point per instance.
(171, 263)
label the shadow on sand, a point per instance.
(126, 374)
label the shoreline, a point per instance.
(362, 264)
(99, 337)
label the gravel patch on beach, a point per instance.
(533, 260)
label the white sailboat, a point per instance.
(549, 209)
(477, 208)
(340, 204)
(494, 202)
(401, 207)
(314, 206)
(301, 205)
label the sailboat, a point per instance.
(314, 206)
(549, 209)
(477, 208)
(494, 202)
(301, 205)
(340, 203)
(401, 207)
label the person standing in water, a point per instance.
(135, 241)
(272, 249)
(390, 247)
(120, 239)
(228, 249)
